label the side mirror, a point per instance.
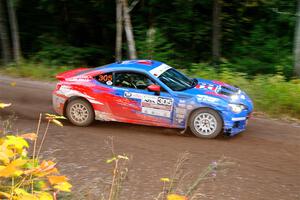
(154, 88)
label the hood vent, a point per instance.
(228, 91)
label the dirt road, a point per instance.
(266, 156)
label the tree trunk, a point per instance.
(4, 40)
(128, 30)
(297, 43)
(14, 31)
(119, 29)
(216, 32)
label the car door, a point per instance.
(139, 104)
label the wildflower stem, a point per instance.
(37, 134)
(34, 149)
(198, 180)
(43, 139)
(111, 194)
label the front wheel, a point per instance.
(80, 112)
(206, 123)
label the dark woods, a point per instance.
(252, 36)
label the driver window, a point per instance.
(132, 80)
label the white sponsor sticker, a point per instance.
(207, 98)
(160, 69)
(156, 112)
(153, 105)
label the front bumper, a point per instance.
(235, 124)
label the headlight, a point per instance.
(236, 108)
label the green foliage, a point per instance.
(152, 44)
(261, 53)
(55, 52)
(257, 35)
(66, 55)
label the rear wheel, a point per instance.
(206, 123)
(80, 112)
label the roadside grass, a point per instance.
(272, 94)
(37, 71)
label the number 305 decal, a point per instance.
(164, 101)
(104, 78)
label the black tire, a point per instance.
(206, 123)
(80, 112)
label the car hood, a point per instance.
(220, 90)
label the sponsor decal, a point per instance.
(164, 101)
(205, 98)
(180, 114)
(156, 112)
(206, 86)
(109, 83)
(81, 78)
(160, 69)
(105, 77)
(127, 94)
(153, 105)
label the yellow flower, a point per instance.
(4, 105)
(176, 197)
(165, 180)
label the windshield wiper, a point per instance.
(194, 83)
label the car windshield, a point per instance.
(176, 80)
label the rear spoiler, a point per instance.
(68, 74)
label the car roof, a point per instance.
(146, 65)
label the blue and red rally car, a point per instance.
(151, 93)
